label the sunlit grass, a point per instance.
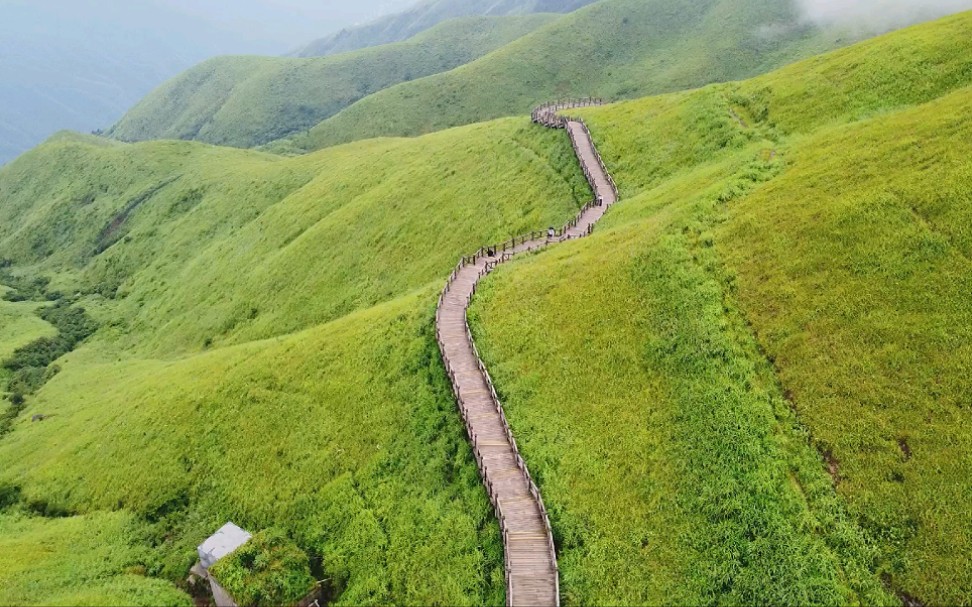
(87, 561)
(672, 466)
(860, 293)
(234, 245)
(345, 436)
(779, 307)
(20, 325)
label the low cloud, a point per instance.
(880, 15)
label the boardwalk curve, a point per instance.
(532, 576)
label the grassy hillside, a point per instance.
(345, 436)
(612, 49)
(248, 101)
(199, 245)
(77, 561)
(749, 386)
(424, 16)
(266, 352)
(19, 326)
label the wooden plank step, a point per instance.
(533, 574)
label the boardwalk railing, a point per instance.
(494, 255)
(549, 116)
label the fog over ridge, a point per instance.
(879, 15)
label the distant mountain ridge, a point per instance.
(476, 68)
(404, 25)
(250, 101)
(614, 49)
(80, 64)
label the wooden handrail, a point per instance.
(490, 257)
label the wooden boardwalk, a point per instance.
(531, 562)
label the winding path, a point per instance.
(532, 575)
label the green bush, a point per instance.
(268, 570)
(30, 364)
(9, 495)
(23, 288)
(7, 418)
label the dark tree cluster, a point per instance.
(32, 365)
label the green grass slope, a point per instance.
(266, 352)
(424, 16)
(612, 49)
(750, 385)
(248, 101)
(345, 436)
(199, 245)
(77, 561)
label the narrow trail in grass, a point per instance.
(532, 576)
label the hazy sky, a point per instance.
(881, 14)
(80, 64)
(284, 20)
(279, 25)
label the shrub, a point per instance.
(9, 495)
(268, 570)
(31, 364)
(7, 418)
(24, 289)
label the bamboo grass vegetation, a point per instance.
(750, 385)
(424, 16)
(309, 397)
(613, 49)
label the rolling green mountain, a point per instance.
(266, 355)
(248, 101)
(502, 66)
(749, 386)
(612, 49)
(404, 25)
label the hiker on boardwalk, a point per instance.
(551, 233)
